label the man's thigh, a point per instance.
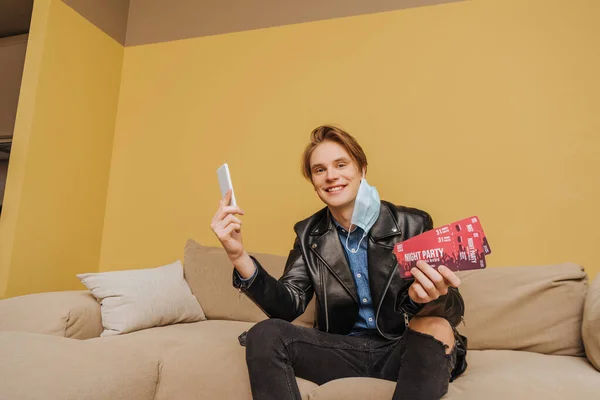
(317, 356)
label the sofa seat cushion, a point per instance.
(492, 375)
(159, 341)
(198, 360)
(215, 370)
(35, 366)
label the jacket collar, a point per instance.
(386, 225)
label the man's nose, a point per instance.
(332, 174)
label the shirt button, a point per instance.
(365, 300)
(358, 275)
(353, 250)
(370, 319)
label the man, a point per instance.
(369, 322)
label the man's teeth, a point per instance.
(335, 189)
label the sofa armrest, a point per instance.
(71, 314)
(590, 328)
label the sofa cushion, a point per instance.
(139, 299)
(53, 368)
(160, 340)
(72, 314)
(208, 271)
(491, 375)
(591, 323)
(198, 360)
(525, 308)
(213, 367)
(194, 373)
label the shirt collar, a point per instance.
(341, 228)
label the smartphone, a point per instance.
(225, 182)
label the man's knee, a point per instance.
(265, 334)
(437, 327)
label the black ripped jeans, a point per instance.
(277, 352)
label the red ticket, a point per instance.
(459, 246)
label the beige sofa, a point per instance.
(527, 328)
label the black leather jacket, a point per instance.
(317, 265)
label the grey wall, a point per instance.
(12, 59)
(3, 171)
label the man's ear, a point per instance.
(364, 171)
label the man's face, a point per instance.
(335, 176)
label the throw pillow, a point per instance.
(138, 299)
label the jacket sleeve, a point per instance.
(285, 298)
(449, 306)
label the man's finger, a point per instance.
(225, 200)
(233, 210)
(449, 276)
(232, 219)
(433, 275)
(230, 228)
(420, 292)
(224, 211)
(228, 220)
(425, 282)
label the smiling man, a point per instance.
(369, 322)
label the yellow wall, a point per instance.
(51, 225)
(482, 107)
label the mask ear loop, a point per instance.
(359, 242)
(348, 237)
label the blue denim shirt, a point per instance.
(358, 263)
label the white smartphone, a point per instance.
(225, 182)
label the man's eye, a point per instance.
(319, 170)
(341, 165)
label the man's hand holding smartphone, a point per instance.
(228, 229)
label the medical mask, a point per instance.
(366, 210)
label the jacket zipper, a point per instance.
(325, 298)
(322, 276)
(387, 286)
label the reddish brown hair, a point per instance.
(334, 134)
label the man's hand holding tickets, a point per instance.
(429, 283)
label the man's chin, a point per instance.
(335, 203)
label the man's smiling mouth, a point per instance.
(335, 189)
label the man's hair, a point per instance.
(334, 134)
